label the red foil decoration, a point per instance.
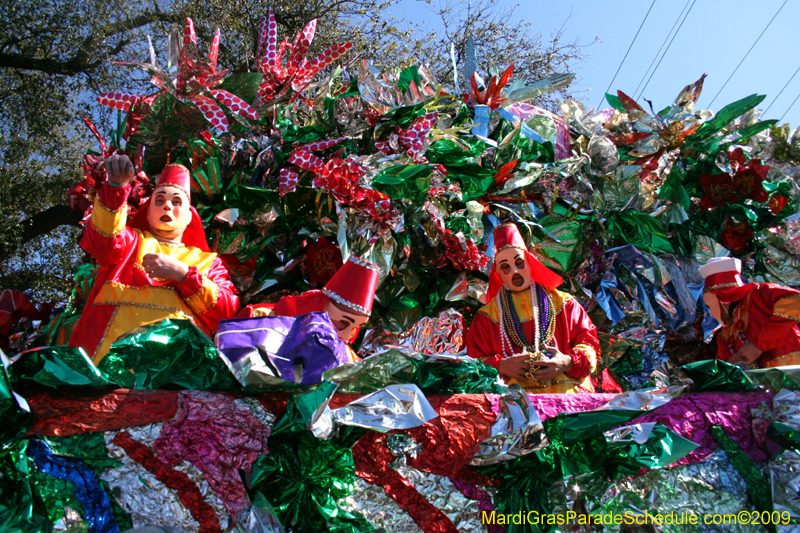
(188, 493)
(72, 412)
(322, 261)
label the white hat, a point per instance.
(717, 265)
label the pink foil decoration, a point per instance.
(218, 436)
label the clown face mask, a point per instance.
(169, 213)
(513, 268)
(344, 319)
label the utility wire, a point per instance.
(662, 46)
(667, 49)
(748, 52)
(626, 53)
(780, 93)
(790, 106)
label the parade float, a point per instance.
(307, 161)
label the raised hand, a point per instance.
(119, 168)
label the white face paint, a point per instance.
(344, 319)
(169, 212)
(513, 268)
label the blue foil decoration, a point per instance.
(95, 502)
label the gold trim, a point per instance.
(137, 287)
(139, 304)
(721, 286)
(102, 206)
(771, 363)
(103, 233)
(206, 285)
(591, 354)
(105, 333)
(172, 185)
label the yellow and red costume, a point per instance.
(765, 314)
(565, 326)
(124, 297)
(353, 286)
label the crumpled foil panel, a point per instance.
(442, 334)
(147, 500)
(517, 431)
(711, 487)
(395, 407)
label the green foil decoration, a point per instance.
(21, 509)
(14, 410)
(451, 377)
(58, 366)
(171, 354)
(776, 379)
(757, 486)
(565, 255)
(717, 376)
(304, 477)
(639, 229)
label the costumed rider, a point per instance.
(155, 266)
(534, 334)
(759, 320)
(347, 298)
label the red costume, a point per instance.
(124, 297)
(353, 286)
(765, 314)
(569, 328)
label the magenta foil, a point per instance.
(219, 437)
(692, 416)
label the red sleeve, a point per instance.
(211, 296)
(106, 236)
(771, 315)
(479, 341)
(584, 344)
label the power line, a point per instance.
(662, 46)
(748, 52)
(667, 49)
(781, 92)
(790, 106)
(629, 49)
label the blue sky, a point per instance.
(714, 38)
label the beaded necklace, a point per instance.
(511, 334)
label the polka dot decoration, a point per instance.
(121, 101)
(288, 180)
(306, 160)
(189, 35)
(213, 51)
(235, 104)
(213, 113)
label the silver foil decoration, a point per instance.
(147, 500)
(443, 334)
(517, 431)
(784, 469)
(707, 488)
(395, 407)
(373, 372)
(257, 519)
(379, 508)
(784, 472)
(638, 433)
(643, 400)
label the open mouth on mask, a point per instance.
(517, 280)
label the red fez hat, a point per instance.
(354, 285)
(508, 236)
(175, 176)
(723, 278)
